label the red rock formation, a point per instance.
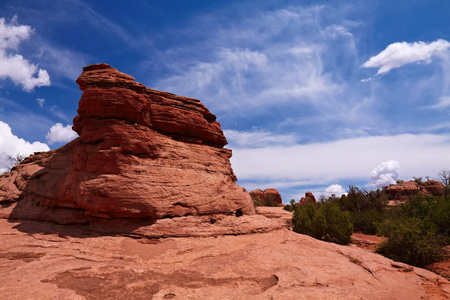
(273, 195)
(257, 196)
(268, 196)
(141, 154)
(400, 192)
(309, 198)
(432, 187)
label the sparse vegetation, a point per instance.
(416, 230)
(14, 160)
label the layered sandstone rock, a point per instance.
(141, 154)
(269, 196)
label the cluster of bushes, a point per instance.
(416, 230)
(326, 222)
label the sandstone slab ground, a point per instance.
(40, 260)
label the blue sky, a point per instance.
(311, 95)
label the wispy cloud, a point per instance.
(40, 102)
(444, 102)
(275, 58)
(258, 138)
(400, 54)
(14, 66)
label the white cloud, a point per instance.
(14, 66)
(13, 145)
(60, 134)
(41, 102)
(343, 160)
(256, 138)
(385, 174)
(335, 189)
(443, 102)
(399, 54)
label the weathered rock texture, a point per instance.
(46, 261)
(400, 192)
(267, 197)
(432, 187)
(309, 198)
(141, 154)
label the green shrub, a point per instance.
(327, 223)
(366, 221)
(303, 218)
(410, 240)
(332, 225)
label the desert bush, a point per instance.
(410, 240)
(365, 208)
(291, 206)
(327, 222)
(302, 220)
(332, 225)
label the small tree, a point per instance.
(332, 225)
(303, 218)
(444, 177)
(15, 160)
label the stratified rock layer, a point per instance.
(141, 154)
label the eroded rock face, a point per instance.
(309, 198)
(141, 154)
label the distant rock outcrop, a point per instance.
(432, 187)
(267, 197)
(309, 198)
(402, 191)
(141, 154)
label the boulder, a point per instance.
(141, 154)
(269, 196)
